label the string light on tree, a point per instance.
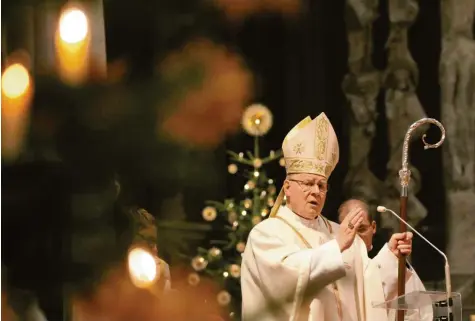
(223, 259)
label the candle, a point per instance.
(72, 46)
(16, 97)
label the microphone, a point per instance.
(448, 282)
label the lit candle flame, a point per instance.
(16, 97)
(15, 81)
(142, 268)
(72, 45)
(73, 26)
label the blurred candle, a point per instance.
(16, 97)
(72, 45)
(142, 268)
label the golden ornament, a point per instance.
(235, 270)
(251, 184)
(256, 219)
(193, 279)
(214, 252)
(199, 263)
(223, 298)
(257, 162)
(232, 168)
(247, 203)
(257, 120)
(209, 213)
(282, 162)
(240, 247)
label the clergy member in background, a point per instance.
(146, 235)
(366, 231)
(300, 266)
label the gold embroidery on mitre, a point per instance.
(311, 147)
(297, 165)
(299, 148)
(321, 137)
(334, 153)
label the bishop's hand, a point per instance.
(348, 228)
(401, 243)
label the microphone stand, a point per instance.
(404, 178)
(448, 282)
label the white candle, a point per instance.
(17, 90)
(72, 45)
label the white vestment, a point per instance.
(284, 280)
(414, 284)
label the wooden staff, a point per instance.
(404, 178)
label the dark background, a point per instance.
(299, 64)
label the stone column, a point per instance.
(402, 108)
(457, 81)
(361, 87)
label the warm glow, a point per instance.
(73, 26)
(142, 268)
(15, 81)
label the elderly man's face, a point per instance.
(306, 194)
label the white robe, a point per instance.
(414, 284)
(282, 279)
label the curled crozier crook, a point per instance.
(405, 173)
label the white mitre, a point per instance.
(310, 147)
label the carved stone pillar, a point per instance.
(361, 87)
(457, 81)
(402, 107)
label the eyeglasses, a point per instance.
(308, 186)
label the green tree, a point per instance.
(221, 261)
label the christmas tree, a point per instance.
(221, 261)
